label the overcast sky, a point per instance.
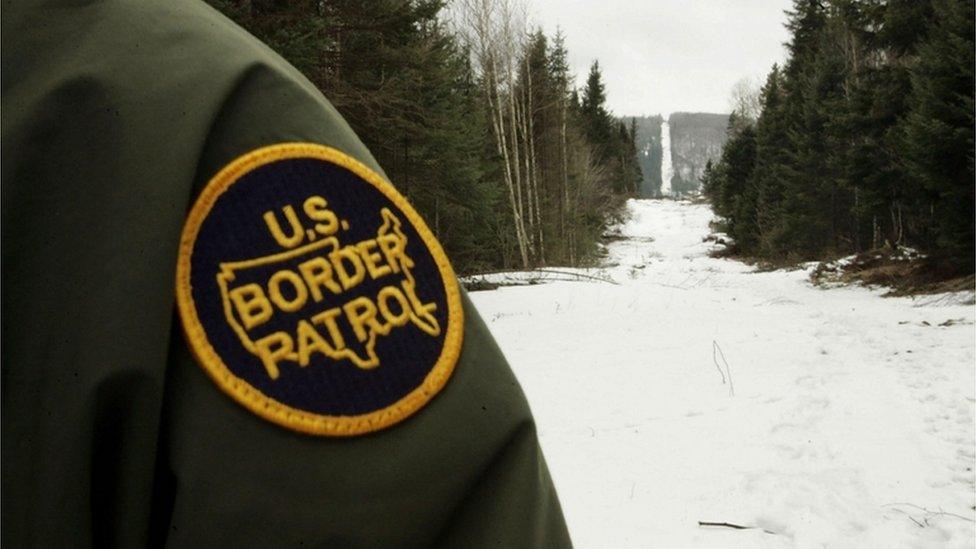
(663, 56)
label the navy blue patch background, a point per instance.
(235, 231)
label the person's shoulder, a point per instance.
(173, 38)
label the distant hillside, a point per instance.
(696, 138)
(649, 153)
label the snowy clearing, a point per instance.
(852, 419)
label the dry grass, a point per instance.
(903, 275)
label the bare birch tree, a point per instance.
(489, 30)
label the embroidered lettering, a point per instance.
(314, 294)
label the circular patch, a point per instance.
(313, 293)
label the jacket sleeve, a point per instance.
(116, 114)
(466, 470)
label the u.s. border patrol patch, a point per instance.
(313, 293)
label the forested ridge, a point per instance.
(473, 115)
(864, 139)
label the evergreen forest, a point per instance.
(472, 114)
(863, 140)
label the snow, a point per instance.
(667, 166)
(851, 424)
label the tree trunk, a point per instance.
(533, 166)
(498, 121)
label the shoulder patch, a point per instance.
(314, 294)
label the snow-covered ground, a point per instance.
(847, 419)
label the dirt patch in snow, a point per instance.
(902, 270)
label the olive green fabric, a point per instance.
(115, 114)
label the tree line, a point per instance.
(864, 137)
(473, 115)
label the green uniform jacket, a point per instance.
(115, 115)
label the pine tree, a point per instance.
(803, 225)
(559, 190)
(938, 131)
(597, 123)
(708, 181)
(772, 165)
(732, 189)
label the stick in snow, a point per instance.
(734, 526)
(716, 352)
(715, 360)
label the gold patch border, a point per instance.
(249, 396)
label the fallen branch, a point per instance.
(735, 526)
(579, 275)
(716, 352)
(669, 286)
(479, 281)
(715, 360)
(928, 512)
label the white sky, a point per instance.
(663, 56)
